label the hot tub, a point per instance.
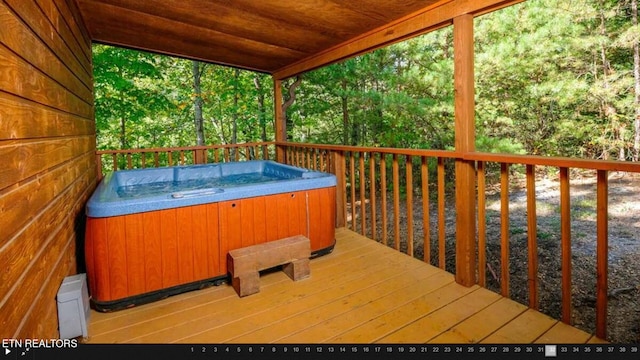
(152, 233)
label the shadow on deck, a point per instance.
(363, 292)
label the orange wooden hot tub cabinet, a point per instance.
(140, 257)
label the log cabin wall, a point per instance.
(47, 168)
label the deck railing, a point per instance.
(378, 187)
(364, 177)
(111, 160)
(367, 176)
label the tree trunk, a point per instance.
(608, 111)
(219, 130)
(123, 133)
(636, 78)
(288, 102)
(123, 119)
(234, 124)
(345, 113)
(262, 118)
(197, 70)
(355, 121)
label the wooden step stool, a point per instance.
(245, 264)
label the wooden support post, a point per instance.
(280, 121)
(339, 170)
(464, 142)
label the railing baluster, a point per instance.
(426, 227)
(396, 203)
(482, 226)
(409, 175)
(315, 159)
(602, 253)
(129, 166)
(441, 215)
(181, 157)
(383, 196)
(114, 157)
(565, 240)
(532, 235)
(301, 156)
(352, 182)
(504, 229)
(144, 160)
(170, 158)
(338, 168)
(329, 161)
(372, 194)
(363, 207)
(156, 159)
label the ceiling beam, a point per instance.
(430, 18)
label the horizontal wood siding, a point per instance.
(47, 147)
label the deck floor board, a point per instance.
(363, 292)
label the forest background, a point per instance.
(553, 77)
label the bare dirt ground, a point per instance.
(624, 247)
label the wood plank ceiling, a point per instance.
(261, 35)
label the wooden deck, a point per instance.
(363, 292)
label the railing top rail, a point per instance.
(184, 148)
(588, 164)
(564, 162)
(385, 150)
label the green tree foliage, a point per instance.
(401, 96)
(145, 100)
(127, 92)
(527, 88)
(552, 78)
